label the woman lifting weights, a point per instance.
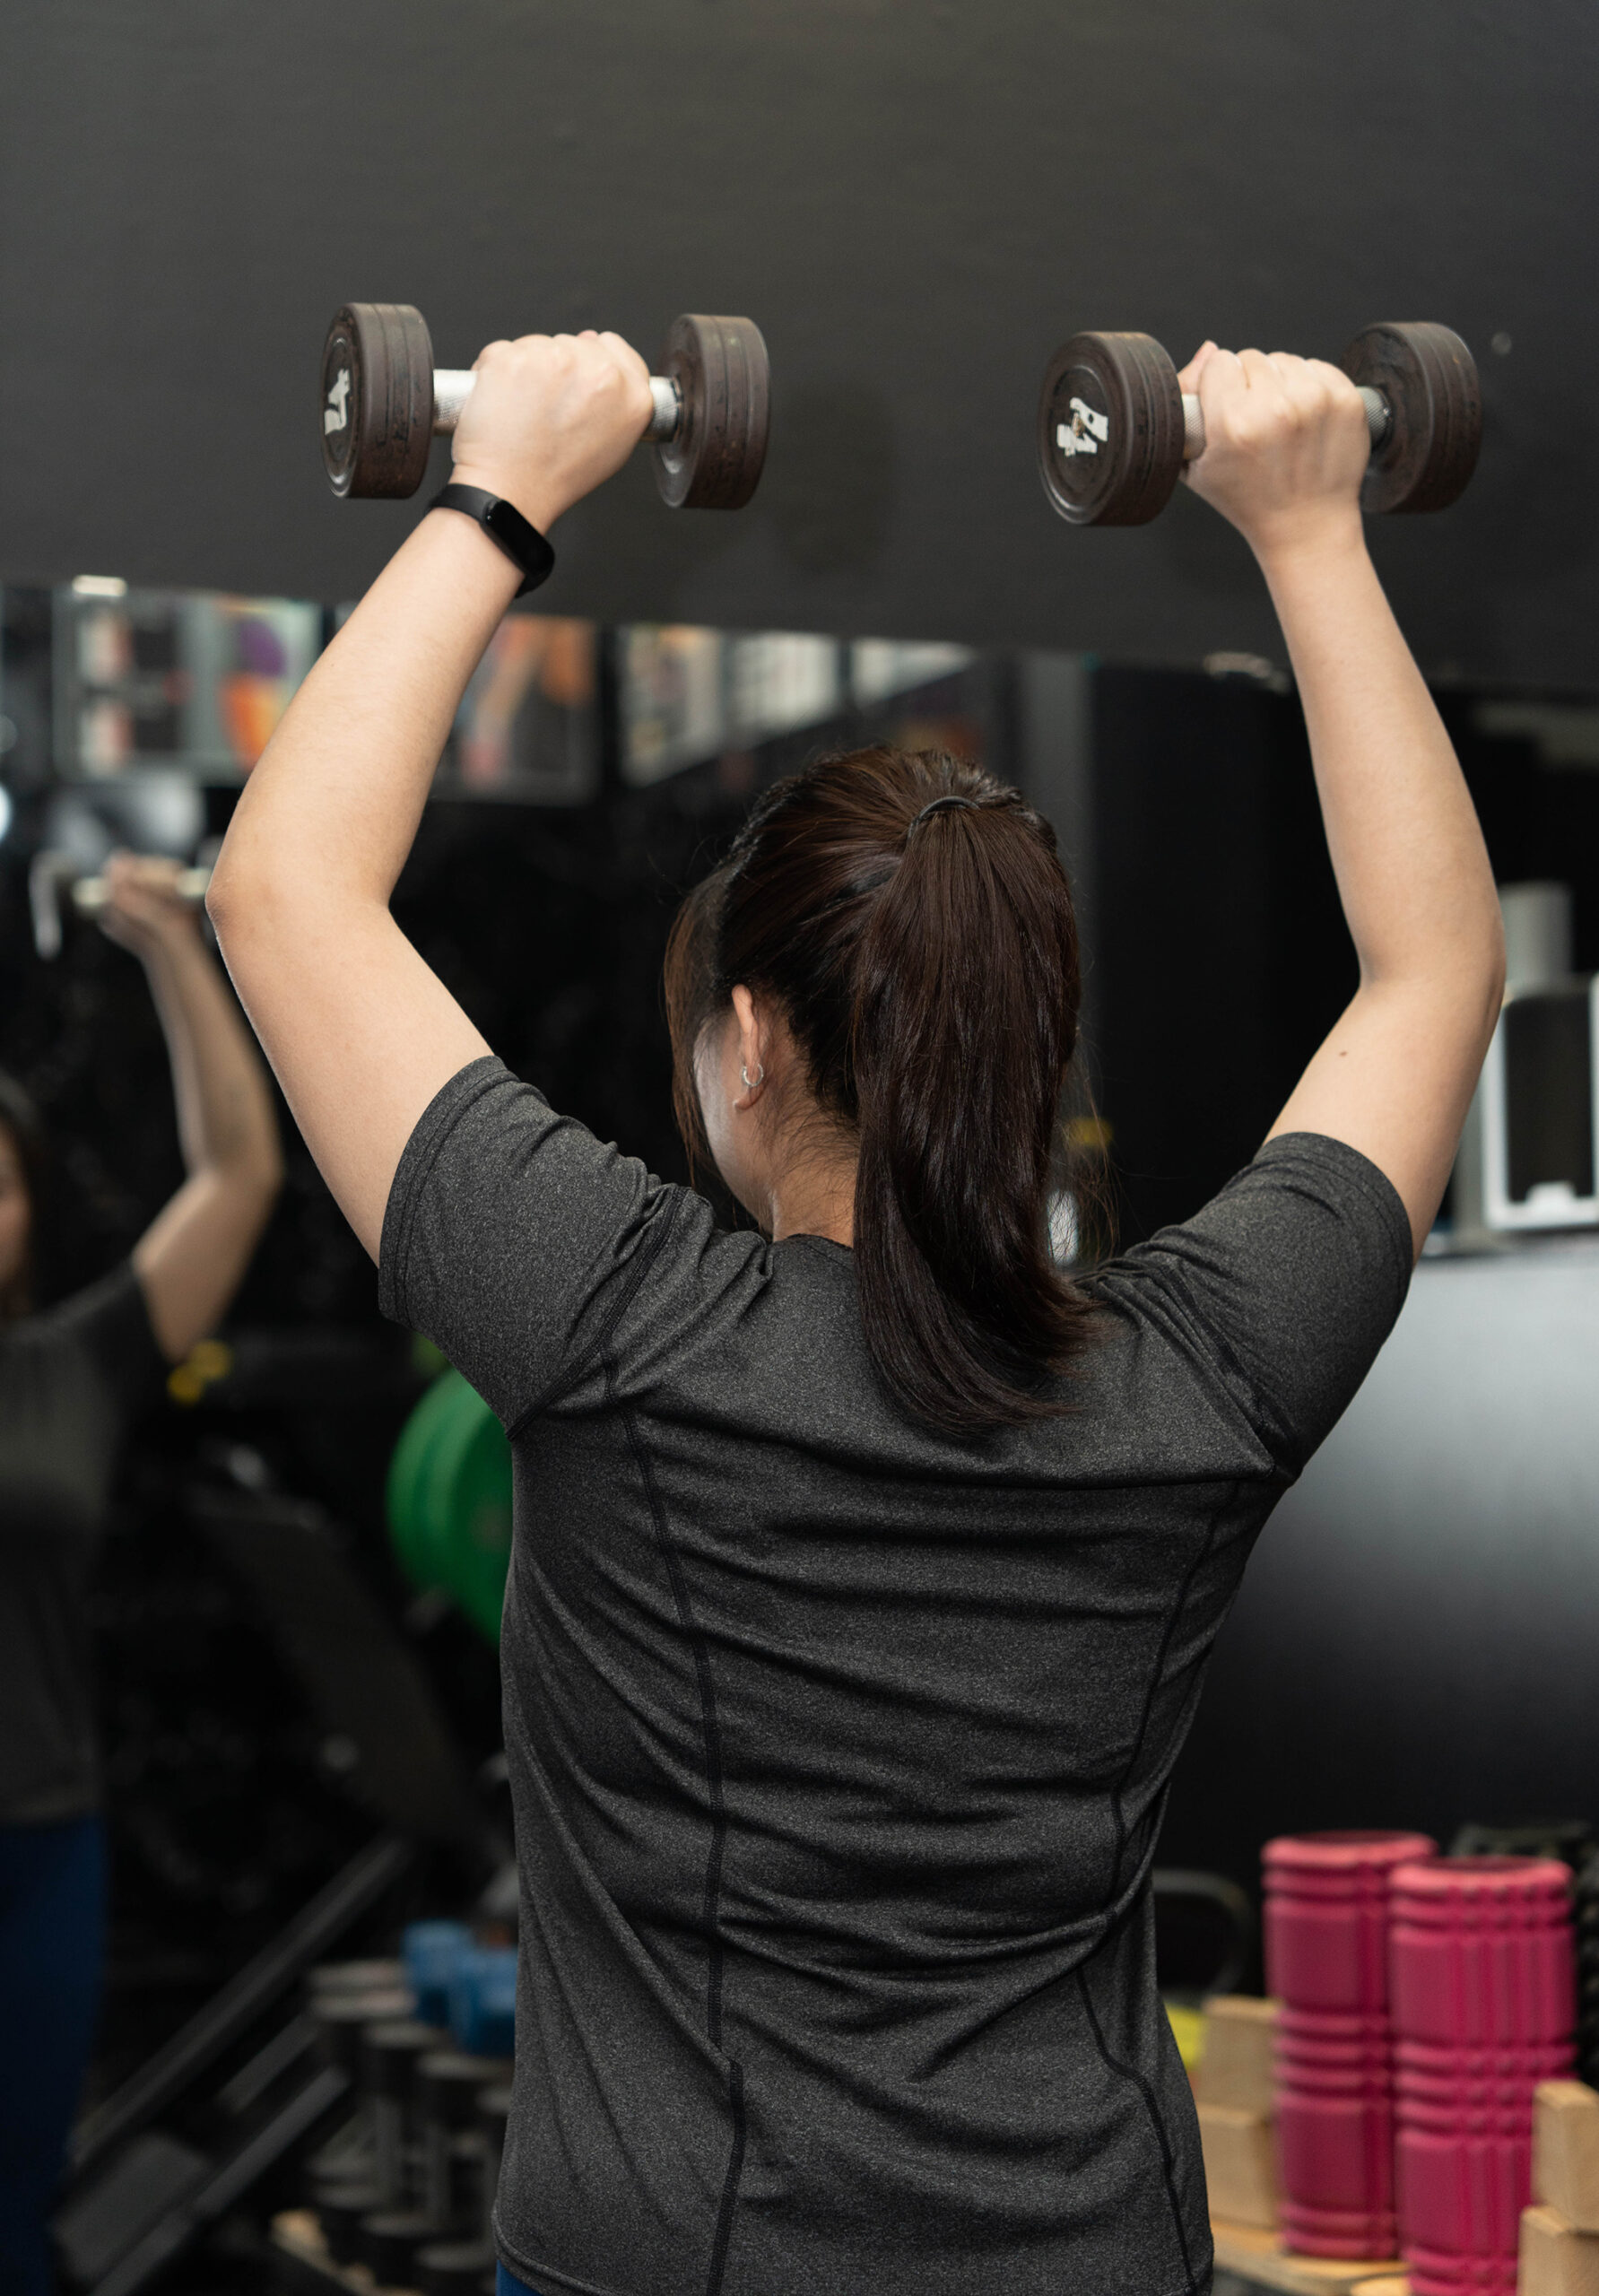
(866, 1568)
(71, 1377)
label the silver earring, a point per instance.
(750, 1083)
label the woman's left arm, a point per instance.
(360, 1032)
(191, 1258)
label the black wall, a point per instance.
(916, 203)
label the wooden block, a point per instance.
(1240, 2165)
(1260, 2259)
(1235, 2069)
(1555, 2259)
(1566, 2151)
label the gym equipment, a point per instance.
(384, 402)
(448, 1500)
(232, 2096)
(390, 2054)
(1115, 428)
(432, 1950)
(483, 2001)
(448, 2086)
(52, 874)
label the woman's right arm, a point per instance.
(1286, 447)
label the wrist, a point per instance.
(1329, 537)
(539, 504)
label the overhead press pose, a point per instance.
(71, 1377)
(866, 1568)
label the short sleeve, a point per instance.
(514, 1239)
(1290, 1280)
(110, 1322)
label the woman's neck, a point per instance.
(815, 1196)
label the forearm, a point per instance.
(330, 811)
(225, 1118)
(1412, 871)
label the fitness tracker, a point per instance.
(504, 524)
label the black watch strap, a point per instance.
(504, 524)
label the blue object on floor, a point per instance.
(52, 1948)
(483, 2001)
(431, 1952)
(506, 2283)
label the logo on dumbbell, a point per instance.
(1085, 433)
(336, 414)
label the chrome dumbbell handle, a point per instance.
(1380, 418)
(452, 387)
(89, 894)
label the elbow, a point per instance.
(1493, 972)
(227, 901)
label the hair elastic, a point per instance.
(942, 805)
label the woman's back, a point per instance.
(838, 1748)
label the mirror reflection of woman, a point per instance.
(72, 1378)
(866, 1564)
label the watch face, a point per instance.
(519, 541)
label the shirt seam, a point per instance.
(711, 1734)
(643, 1260)
(1369, 1178)
(1131, 2073)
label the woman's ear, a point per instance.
(752, 1046)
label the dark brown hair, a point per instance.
(924, 955)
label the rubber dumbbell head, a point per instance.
(383, 402)
(1428, 380)
(1110, 430)
(1115, 428)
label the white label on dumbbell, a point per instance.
(1085, 433)
(336, 414)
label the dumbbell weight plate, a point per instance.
(723, 376)
(1429, 380)
(1110, 430)
(376, 408)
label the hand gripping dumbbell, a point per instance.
(384, 402)
(1114, 427)
(51, 875)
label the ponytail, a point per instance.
(910, 917)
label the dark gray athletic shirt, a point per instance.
(70, 1380)
(838, 1750)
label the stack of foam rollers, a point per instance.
(1424, 2000)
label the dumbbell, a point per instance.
(384, 402)
(1114, 427)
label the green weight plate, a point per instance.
(449, 1500)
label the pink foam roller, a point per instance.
(1482, 1973)
(1480, 1952)
(1441, 2274)
(1326, 1913)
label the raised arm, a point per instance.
(1287, 446)
(360, 1032)
(191, 1258)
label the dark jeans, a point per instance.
(52, 1943)
(507, 2284)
